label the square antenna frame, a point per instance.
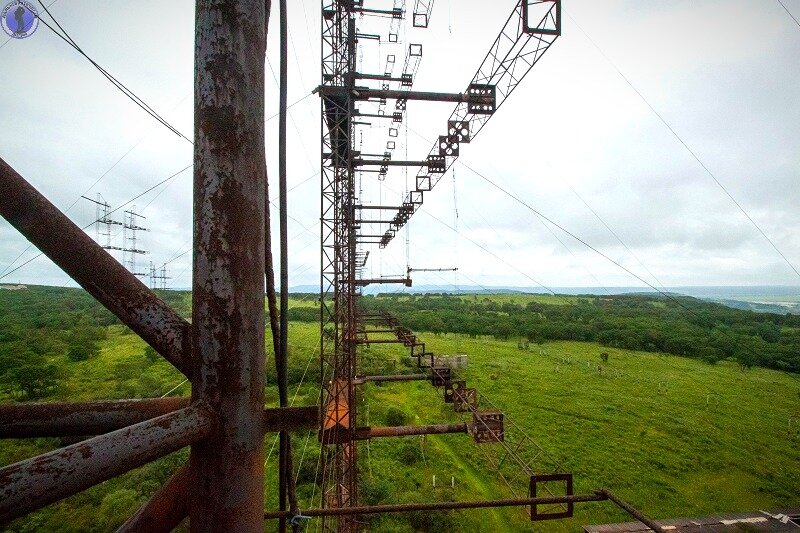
(548, 478)
(541, 17)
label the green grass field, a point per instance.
(674, 436)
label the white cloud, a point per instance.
(722, 73)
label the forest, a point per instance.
(618, 390)
(673, 324)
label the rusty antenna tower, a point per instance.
(221, 351)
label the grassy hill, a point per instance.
(675, 436)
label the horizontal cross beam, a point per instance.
(68, 419)
(65, 419)
(388, 163)
(365, 93)
(399, 281)
(439, 506)
(396, 377)
(34, 483)
(379, 207)
(378, 77)
(407, 431)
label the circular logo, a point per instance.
(19, 19)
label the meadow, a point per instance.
(675, 436)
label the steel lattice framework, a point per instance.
(516, 49)
(338, 268)
(530, 30)
(221, 352)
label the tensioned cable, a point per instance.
(114, 81)
(92, 186)
(162, 182)
(686, 146)
(790, 13)
(6, 271)
(667, 295)
(548, 228)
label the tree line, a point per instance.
(678, 325)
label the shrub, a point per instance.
(407, 452)
(394, 417)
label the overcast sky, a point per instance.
(574, 141)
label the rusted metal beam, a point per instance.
(406, 431)
(401, 281)
(228, 275)
(93, 268)
(365, 93)
(34, 483)
(442, 506)
(397, 377)
(379, 207)
(65, 419)
(631, 510)
(290, 418)
(378, 77)
(380, 341)
(388, 163)
(372, 115)
(165, 509)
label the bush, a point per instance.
(79, 352)
(375, 491)
(34, 379)
(394, 417)
(407, 452)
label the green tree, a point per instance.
(31, 375)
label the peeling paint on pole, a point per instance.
(228, 283)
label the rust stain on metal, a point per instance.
(405, 431)
(165, 510)
(36, 482)
(443, 506)
(228, 281)
(65, 419)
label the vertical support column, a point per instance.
(228, 283)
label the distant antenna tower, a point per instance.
(129, 250)
(158, 277)
(102, 222)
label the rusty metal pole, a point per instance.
(65, 419)
(166, 509)
(405, 431)
(633, 511)
(228, 282)
(281, 363)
